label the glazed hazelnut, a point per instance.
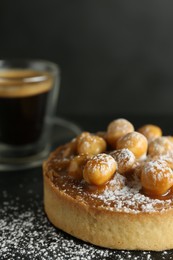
(90, 144)
(165, 157)
(125, 160)
(102, 134)
(76, 166)
(99, 169)
(160, 146)
(117, 129)
(156, 177)
(170, 138)
(150, 131)
(135, 142)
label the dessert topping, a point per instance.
(125, 160)
(116, 129)
(135, 142)
(76, 166)
(159, 146)
(99, 169)
(90, 144)
(156, 177)
(150, 131)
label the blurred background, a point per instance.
(116, 57)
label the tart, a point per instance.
(111, 190)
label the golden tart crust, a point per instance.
(116, 215)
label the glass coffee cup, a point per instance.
(28, 96)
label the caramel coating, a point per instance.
(156, 177)
(117, 129)
(135, 142)
(90, 144)
(70, 149)
(99, 169)
(76, 166)
(125, 160)
(150, 131)
(160, 146)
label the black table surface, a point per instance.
(26, 233)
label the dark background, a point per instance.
(116, 57)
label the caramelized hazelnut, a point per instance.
(90, 144)
(135, 142)
(170, 138)
(165, 157)
(76, 166)
(150, 131)
(101, 134)
(125, 160)
(156, 177)
(117, 129)
(99, 169)
(159, 146)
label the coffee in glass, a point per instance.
(28, 95)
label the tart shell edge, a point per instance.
(110, 229)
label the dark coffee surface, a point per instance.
(23, 100)
(21, 119)
(26, 233)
